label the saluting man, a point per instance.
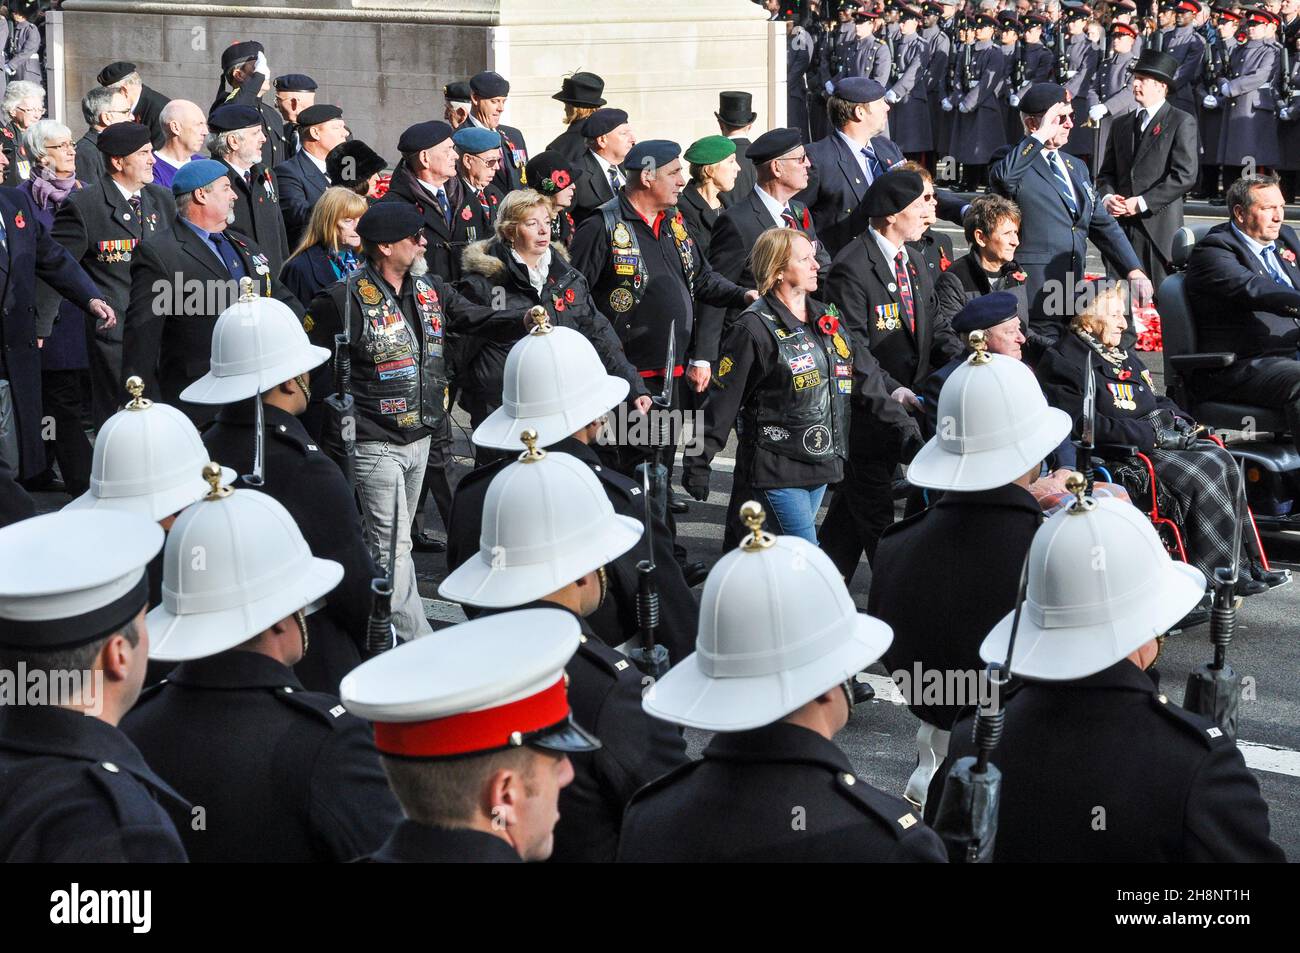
(244, 68)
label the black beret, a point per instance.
(858, 89)
(234, 116)
(237, 53)
(649, 155)
(389, 222)
(364, 163)
(114, 72)
(294, 83)
(489, 85)
(773, 143)
(123, 138)
(319, 113)
(1041, 97)
(602, 122)
(985, 312)
(457, 92)
(550, 172)
(423, 135)
(892, 192)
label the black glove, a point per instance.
(695, 481)
(1173, 440)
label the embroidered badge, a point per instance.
(802, 363)
(621, 300)
(817, 440)
(622, 237)
(776, 433)
(369, 293)
(811, 378)
(724, 366)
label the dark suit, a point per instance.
(30, 252)
(837, 185)
(308, 274)
(1238, 307)
(1053, 240)
(593, 189)
(273, 151)
(101, 231)
(1168, 785)
(700, 217)
(863, 283)
(982, 538)
(739, 803)
(446, 242)
(179, 287)
(148, 111)
(90, 161)
(413, 843)
(514, 156)
(571, 143)
(1161, 165)
(257, 213)
(285, 775)
(301, 184)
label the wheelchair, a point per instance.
(1264, 449)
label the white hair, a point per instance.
(41, 132)
(16, 92)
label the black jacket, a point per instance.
(614, 622)
(179, 287)
(90, 161)
(593, 189)
(1236, 304)
(965, 279)
(75, 789)
(308, 274)
(1061, 373)
(446, 241)
(282, 774)
(1110, 749)
(571, 143)
(301, 184)
(863, 283)
(148, 111)
(257, 213)
(490, 274)
(982, 538)
(635, 748)
(312, 488)
(413, 843)
(700, 218)
(780, 793)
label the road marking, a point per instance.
(1270, 758)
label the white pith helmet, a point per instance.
(777, 629)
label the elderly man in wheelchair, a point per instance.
(1184, 477)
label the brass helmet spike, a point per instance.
(980, 347)
(1077, 484)
(246, 292)
(752, 515)
(541, 320)
(135, 387)
(212, 473)
(533, 453)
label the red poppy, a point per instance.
(807, 222)
(1018, 276)
(569, 295)
(466, 214)
(1156, 131)
(1124, 374)
(828, 323)
(561, 179)
(1287, 255)
(19, 221)
(559, 304)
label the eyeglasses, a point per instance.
(37, 110)
(493, 163)
(60, 145)
(801, 159)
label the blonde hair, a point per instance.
(772, 252)
(514, 208)
(334, 205)
(1092, 300)
(576, 114)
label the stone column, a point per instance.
(385, 61)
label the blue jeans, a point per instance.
(793, 510)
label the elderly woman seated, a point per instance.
(1197, 473)
(997, 316)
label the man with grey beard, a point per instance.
(399, 317)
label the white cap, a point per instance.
(68, 578)
(554, 383)
(257, 344)
(235, 564)
(1100, 585)
(546, 523)
(777, 629)
(493, 683)
(993, 425)
(148, 460)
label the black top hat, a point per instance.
(1157, 64)
(581, 89)
(735, 108)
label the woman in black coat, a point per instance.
(523, 264)
(1197, 473)
(713, 175)
(328, 250)
(992, 225)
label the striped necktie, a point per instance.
(1062, 181)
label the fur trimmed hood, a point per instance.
(488, 257)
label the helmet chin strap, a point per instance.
(303, 386)
(301, 618)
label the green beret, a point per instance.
(709, 150)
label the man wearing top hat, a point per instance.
(609, 138)
(581, 95)
(294, 92)
(282, 774)
(772, 784)
(476, 745)
(244, 68)
(235, 139)
(488, 92)
(74, 786)
(1089, 739)
(1151, 162)
(146, 104)
(735, 118)
(102, 226)
(182, 281)
(302, 178)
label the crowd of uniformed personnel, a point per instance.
(289, 318)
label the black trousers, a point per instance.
(863, 505)
(436, 482)
(61, 398)
(1267, 381)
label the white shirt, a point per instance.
(318, 163)
(774, 208)
(856, 149)
(536, 276)
(125, 194)
(890, 251)
(433, 190)
(1257, 249)
(606, 165)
